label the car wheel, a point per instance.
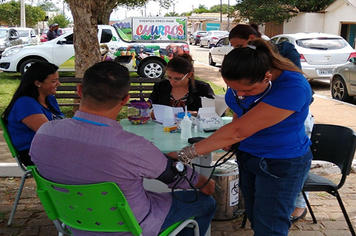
(151, 69)
(26, 64)
(195, 42)
(211, 62)
(339, 90)
(201, 45)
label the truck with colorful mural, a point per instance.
(143, 45)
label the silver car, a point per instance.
(212, 37)
(9, 37)
(218, 53)
(343, 81)
(319, 53)
(28, 35)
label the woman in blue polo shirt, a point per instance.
(270, 98)
(32, 105)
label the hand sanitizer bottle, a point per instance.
(186, 126)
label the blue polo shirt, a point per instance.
(287, 139)
(21, 135)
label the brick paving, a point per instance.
(30, 218)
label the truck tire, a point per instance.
(151, 69)
(26, 64)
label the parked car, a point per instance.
(217, 53)
(212, 37)
(28, 35)
(9, 37)
(319, 53)
(343, 81)
(195, 37)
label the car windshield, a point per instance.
(3, 33)
(322, 43)
(23, 33)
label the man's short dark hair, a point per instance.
(106, 81)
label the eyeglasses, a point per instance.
(176, 79)
(240, 103)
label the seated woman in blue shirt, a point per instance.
(32, 105)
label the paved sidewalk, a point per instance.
(30, 218)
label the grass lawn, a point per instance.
(10, 81)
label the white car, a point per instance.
(212, 37)
(217, 53)
(28, 35)
(319, 53)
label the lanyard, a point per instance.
(89, 121)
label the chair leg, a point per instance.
(243, 224)
(345, 213)
(309, 208)
(26, 175)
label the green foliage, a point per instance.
(201, 9)
(216, 9)
(48, 6)
(278, 11)
(11, 12)
(312, 5)
(172, 14)
(61, 20)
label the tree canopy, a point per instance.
(61, 20)
(278, 11)
(11, 11)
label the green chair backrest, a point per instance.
(7, 138)
(98, 207)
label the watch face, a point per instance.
(179, 166)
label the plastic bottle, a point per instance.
(186, 126)
(180, 117)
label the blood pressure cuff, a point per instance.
(168, 175)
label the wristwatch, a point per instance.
(179, 168)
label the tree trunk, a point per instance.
(105, 12)
(86, 45)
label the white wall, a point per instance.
(333, 19)
(305, 22)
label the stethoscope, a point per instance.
(254, 103)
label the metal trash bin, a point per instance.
(227, 193)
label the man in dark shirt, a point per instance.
(50, 34)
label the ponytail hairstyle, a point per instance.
(182, 64)
(252, 62)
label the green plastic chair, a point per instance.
(100, 207)
(26, 174)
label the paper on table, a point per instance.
(218, 103)
(159, 111)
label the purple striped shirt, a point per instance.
(71, 151)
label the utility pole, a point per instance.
(228, 15)
(23, 14)
(220, 14)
